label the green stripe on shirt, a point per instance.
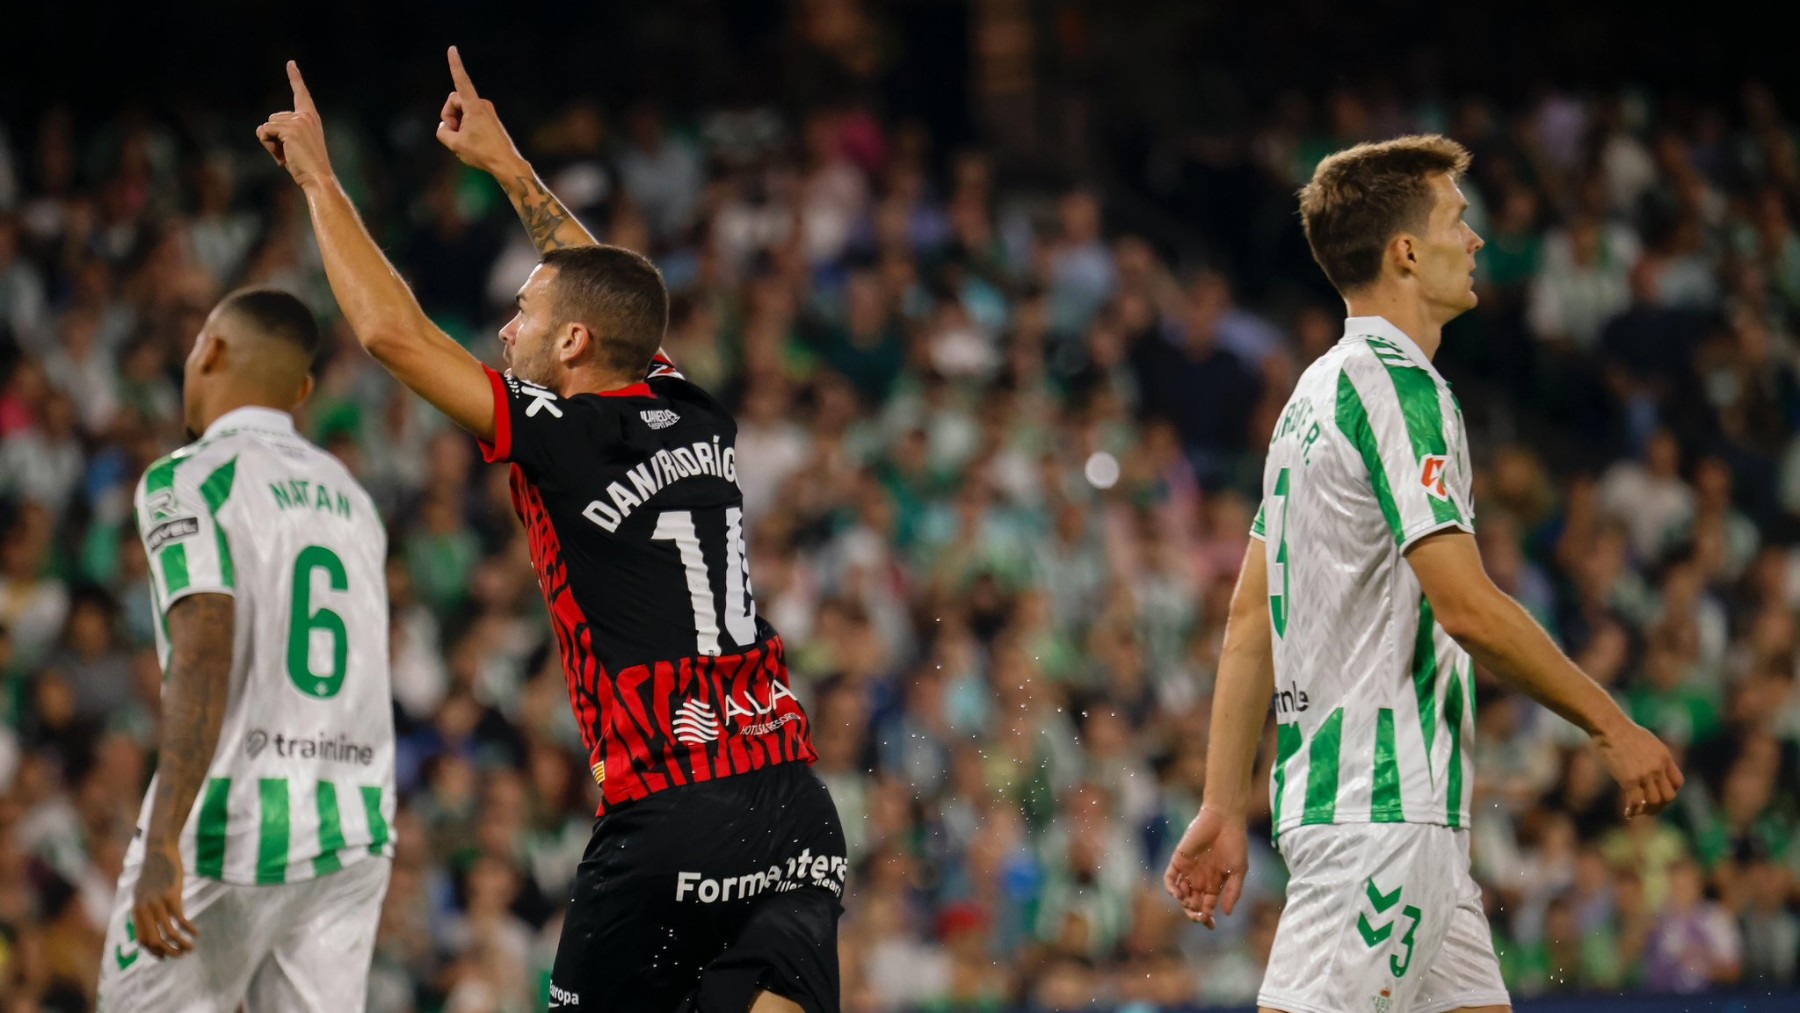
(331, 830)
(1322, 770)
(216, 490)
(209, 835)
(1424, 415)
(1353, 421)
(1287, 743)
(378, 828)
(1453, 722)
(1385, 806)
(1424, 677)
(272, 848)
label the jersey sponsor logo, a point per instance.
(659, 418)
(542, 399)
(1292, 700)
(172, 531)
(338, 748)
(1433, 469)
(695, 723)
(751, 707)
(800, 871)
(560, 996)
(703, 459)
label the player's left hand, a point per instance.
(161, 925)
(296, 140)
(1206, 873)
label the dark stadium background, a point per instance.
(1152, 104)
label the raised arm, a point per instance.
(1509, 643)
(1208, 866)
(374, 298)
(472, 131)
(194, 693)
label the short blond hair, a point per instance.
(1359, 198)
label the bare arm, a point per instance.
(194, 693)
(1207, 869)
(1241, 693)
(472, 130)
(1500, 635)
(381, 309)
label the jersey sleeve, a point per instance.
(1395, 417)
(1256, 526)
(178, 503)
(529, 423)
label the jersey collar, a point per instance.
(1356, 327)
(251, 417)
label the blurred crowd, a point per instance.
(1000, 455)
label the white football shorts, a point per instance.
(1381, 918)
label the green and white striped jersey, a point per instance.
(302, 781)
(1374, 703)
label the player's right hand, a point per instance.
(157, 918)
(1639, 761)
(470, 128)
(1207, 870)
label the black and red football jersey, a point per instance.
(636, 524)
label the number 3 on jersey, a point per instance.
(1279, 599)
(740, 609)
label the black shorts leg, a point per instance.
(697, 898)
(788, 946)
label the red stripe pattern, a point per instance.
(668, 723)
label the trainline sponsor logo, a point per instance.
(321, 746)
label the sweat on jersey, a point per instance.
(1374, 703)
(302, 780)
(636, 526)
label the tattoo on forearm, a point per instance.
(545, 218)
(193, 707)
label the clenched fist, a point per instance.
(296, 140)
(470, 128)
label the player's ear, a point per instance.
(1403, 251)
(307, 384)
(210, 353)
(577, 343)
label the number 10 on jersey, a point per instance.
(740, 608)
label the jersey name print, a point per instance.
(1374, 703)
(636, 527)
(302, 779)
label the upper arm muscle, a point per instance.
(201, 630)
(1448, 565)
(444, 374)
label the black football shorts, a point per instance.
(696, 898)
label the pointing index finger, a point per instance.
(464, 86)
(303, 100)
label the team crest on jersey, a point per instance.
(1432, 473)
(659, 418)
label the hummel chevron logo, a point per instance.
(1373, 936)
(124, 959)
(1381, 901)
